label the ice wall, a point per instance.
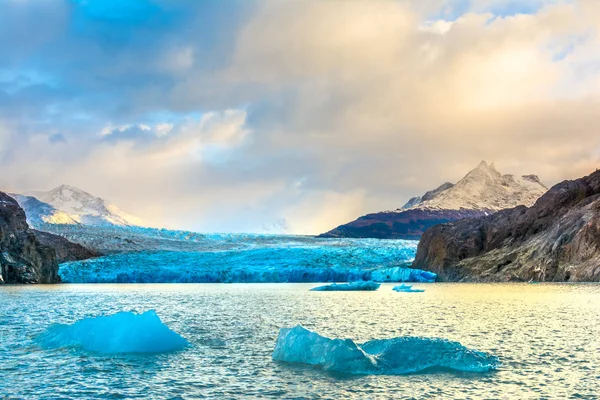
(265, 260)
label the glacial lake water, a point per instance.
(546, 335)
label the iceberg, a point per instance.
(396, 356)
(407, 289)
(346, 287)
(123, 332)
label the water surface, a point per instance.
(547, 337)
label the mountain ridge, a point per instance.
(470, 192)
(482, 191)
(68, 205)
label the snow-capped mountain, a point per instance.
(39, 213)
(70, 205)
(482, 191)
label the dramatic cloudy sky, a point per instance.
(252, 115)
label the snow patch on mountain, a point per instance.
(69, 205)
(482, 189)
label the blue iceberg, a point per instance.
(123, 332)
(346, 287)
(406, 289)
(397, 356)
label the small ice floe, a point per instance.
(123, 332)
(396, 356)
(407, 289)
(351, 286)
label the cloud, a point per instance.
(57, 138)
(236, 116)
(137, 132)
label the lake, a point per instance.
(547, 337)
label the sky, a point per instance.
(296, 116)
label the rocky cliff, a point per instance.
(23, 259)
(556, 239)
(65, 249)
(482, 191)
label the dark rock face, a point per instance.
(556, 239)
(65, 249)
(23, 259)
(409, 224)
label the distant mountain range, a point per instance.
(71, 206)
(482, 191)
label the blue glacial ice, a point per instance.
(406, 289)
(256, 258)
(402, 274)
(123, 332)
(348, 287)
(397, 356)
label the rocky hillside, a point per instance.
(481, 192)
(65, 249)
(23, 259)
(556, 239)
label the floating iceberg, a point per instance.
(123, 332)
(407, 289)
(345, 287)
(397, 356)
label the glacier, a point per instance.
(406, 289)
(178, 257)
(346, 287)
(115, 239)
(396, 356)
(402, 274)
(123, 332)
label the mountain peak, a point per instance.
(69, 189)
(64, 186)
(483, 189)
(484, 165)
(533, 178)
(79, 206)
(483, 168)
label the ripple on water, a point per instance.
(546, 351)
